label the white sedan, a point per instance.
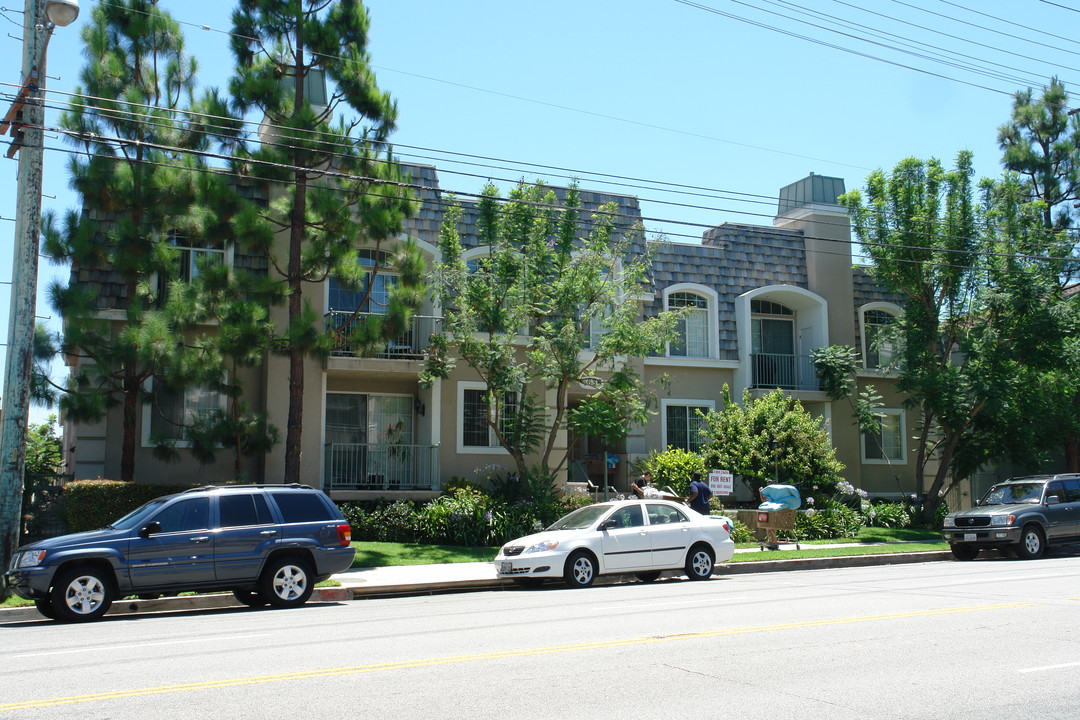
(640, 537)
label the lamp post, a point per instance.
(25, 120)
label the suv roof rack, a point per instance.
(202, 488)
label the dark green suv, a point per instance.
(268, 544)
(1024, 514)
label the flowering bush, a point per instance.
(888, 515)
(833, 520)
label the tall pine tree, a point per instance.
(343, 190)
(138, 179)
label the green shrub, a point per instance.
(740, 533)
(673, 468)
(888, 515)
(831, 521)
(382, 521)
(93, 504)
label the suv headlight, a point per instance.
(29, 558)
(950, 521)
(1002, 519)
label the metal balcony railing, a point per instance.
(790, 372)
(381, 466)
(410, 345)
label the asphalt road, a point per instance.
(998, 638)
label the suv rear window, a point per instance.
(301, 507)
(242, 510)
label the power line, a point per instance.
(649, 183)
(614, 215)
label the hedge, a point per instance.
(93, 504)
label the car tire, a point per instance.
(81, 594)
(287, 582)
(1032, 543)
(251, 598)
(964, 552)
(580, 570)
(699, 562)
(648, 577)
(45, 608)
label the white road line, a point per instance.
(1050, 667)
(97, 648)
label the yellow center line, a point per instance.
(477, 657)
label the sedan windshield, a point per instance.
(581, 518)
(1012, 493)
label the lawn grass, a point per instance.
(820, 552)
(385, 554)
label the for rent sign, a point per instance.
(721, 482)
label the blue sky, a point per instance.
(727, 100)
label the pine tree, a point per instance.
(138, 181)
(342, 187)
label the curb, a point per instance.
(361, 592)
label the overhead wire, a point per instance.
(615, 215)
(576, 174)
(769, 200)
(1010, 22)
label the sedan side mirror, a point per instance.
(608, 524)
(149, 529)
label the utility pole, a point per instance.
(24, 121)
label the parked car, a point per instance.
(640, 537)
(268, 544)
(1024, 514)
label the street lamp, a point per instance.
(24, 120)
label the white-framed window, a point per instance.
(193, 257)
(173, 412)
(693, 328)
(886, 444)
(877, 351)
(474, 432)
(682, 422)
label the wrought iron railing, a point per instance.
(410, 345)
(381, 466)
(790, 372)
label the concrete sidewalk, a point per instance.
(360, 583)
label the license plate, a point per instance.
(506, 567)
(968, 537)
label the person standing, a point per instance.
(639, 485)
(699, 494)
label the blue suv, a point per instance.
(268, 544)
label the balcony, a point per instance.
(410, 345)
(790, 372)
(383, 467)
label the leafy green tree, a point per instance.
(768, 438)
(343, 188)
(138, 182)
(552, 307)
(43, 448)
(1041, 142)
(974, 313)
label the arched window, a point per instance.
(694, 328)
(772, 327)
(877, 350)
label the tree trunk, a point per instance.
(131, 406)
